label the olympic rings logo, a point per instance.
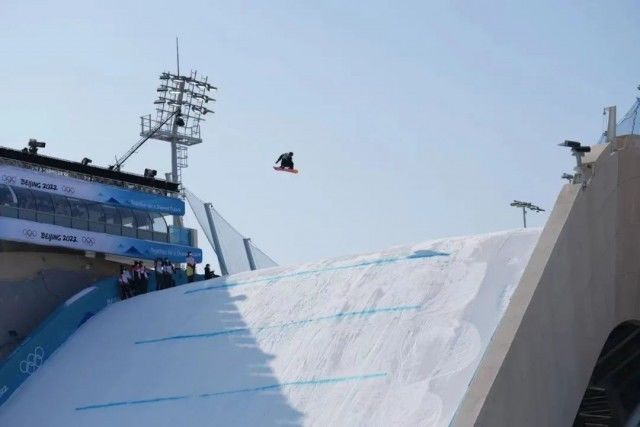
(33, 361)
(31, 234)
(8, 179)
(88, 240)
(68, 190)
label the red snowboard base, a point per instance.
(285, 169)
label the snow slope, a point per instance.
(391, 338)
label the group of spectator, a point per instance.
(134, 280)
(164, 273)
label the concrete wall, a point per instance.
(33, 283)
(582, 281)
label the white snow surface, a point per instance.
(391, 338)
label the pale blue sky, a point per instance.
(409, 120)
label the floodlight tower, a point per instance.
(180, 108)
(525, 206)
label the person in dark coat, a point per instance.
(168, 271)
(159, 274)
(209, 273)
(285, 160)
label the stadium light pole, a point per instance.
(183, 101)
(525, 206)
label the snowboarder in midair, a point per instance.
(285, 160)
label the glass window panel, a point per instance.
(25, 198)
(96, 214)
(143, 220)
(111, 215)
(43, 201)
(159, 223)
(127, 218)
(78, 208)
(6, 197)
(61, 206)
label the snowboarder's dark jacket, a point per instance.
(285, 158)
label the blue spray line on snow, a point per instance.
(341, 315)
(319, 381)
(421, 254)
(132, 402)
(322, 381)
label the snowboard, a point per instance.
(285, 169)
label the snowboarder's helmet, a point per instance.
(291, 154)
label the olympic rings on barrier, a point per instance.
(8, 179)
(31, 234)
(33, 361)
(67, 189)
(88, 240)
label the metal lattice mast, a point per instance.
(183, 99)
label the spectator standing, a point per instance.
(135, 272)
(159, 267)
(190, 273)
(140, 278)
(144, 278)
(124, 281)
(191, 267)
(168, 274)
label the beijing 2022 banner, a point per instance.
(93, 191)
(53, 235)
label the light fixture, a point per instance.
(567, 176)
(570, 144)
(525, 206)
(34, 144)
(578, 151)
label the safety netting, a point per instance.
(230, 246)
(630, 123)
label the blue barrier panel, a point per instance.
(58, 327)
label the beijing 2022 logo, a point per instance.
(88, 240)
(68, 190)
(31, 234)
(8, 179)
(33, 361)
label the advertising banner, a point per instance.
(20, 230)
(86, 190)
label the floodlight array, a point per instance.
(188, 95)
(526, 205)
